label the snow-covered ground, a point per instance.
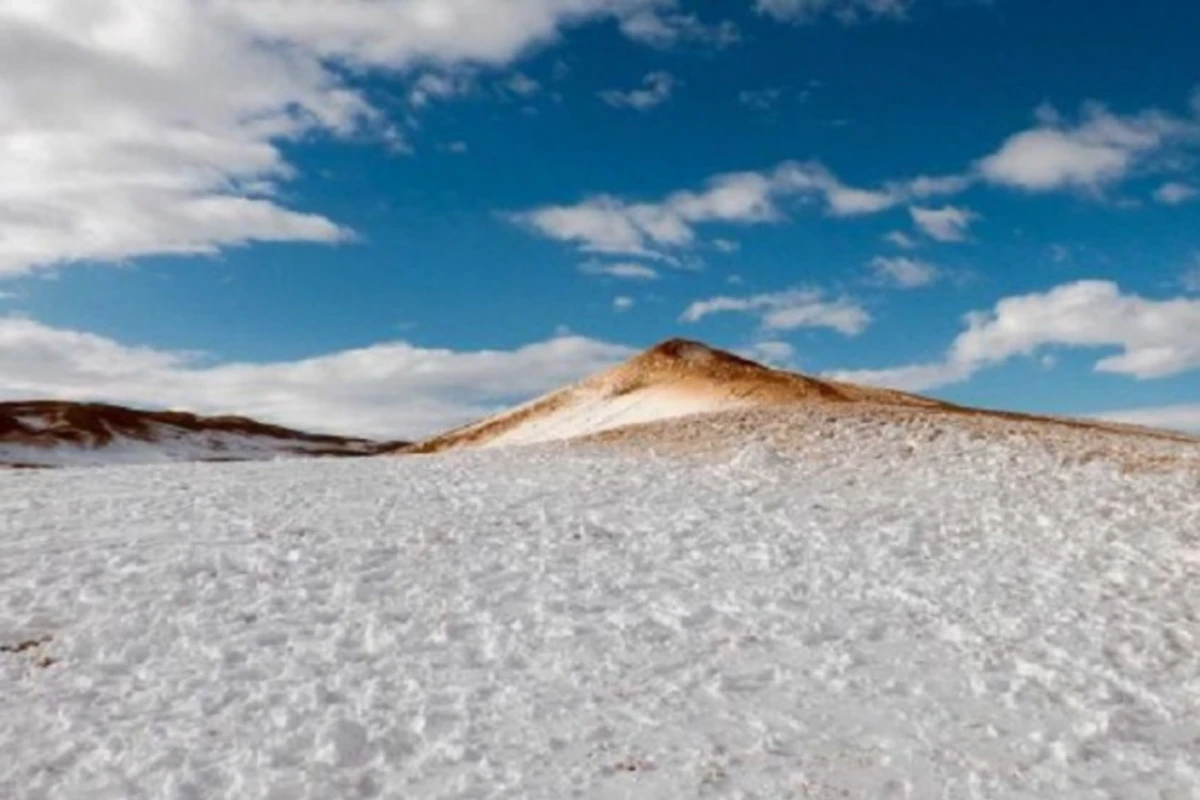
(970, 620)
(166, 447)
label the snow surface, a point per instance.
(35, 422)
(974, 621)
(593, 412)
(167, 444)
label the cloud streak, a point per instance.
(656, 89)
(787, 310)
(608, 224)
(848, 11)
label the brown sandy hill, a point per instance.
(674, 379)
(686, 395)
(48, 432)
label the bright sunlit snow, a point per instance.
(969, 620)
(595, 412)
(166, 446)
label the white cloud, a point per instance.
(901, 240)
(947, 224)
(1102, 148)
(847, 11)
(627, 270)
(1157, 338)
(903, 273)
(926, 186)
(1190, 279)
(457, 148)
(606, 224)
(788, 310)
(845, 201)
(387, 390)
(726, 245)
(657, 88)
(662, 28)
(762, 99)
(432, 86)
(1174, 193)
(622, 304)
(521, 84)
(130, 128)
(772, 352)
(1181, 417)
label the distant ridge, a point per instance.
(61, 433)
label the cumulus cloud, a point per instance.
(903, 273)
(788, 310)
(1174, 193)
(387, 390)
(656, 89)
(137, 128)
(625, 270)
(621, 304)
(607, 224)
(947, 224)
(1102, 148)
(847, 11)
(1156, 338)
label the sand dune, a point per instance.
(684, 396)
(675, 379)
(680, 378)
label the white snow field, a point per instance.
(166, 447)
(972, 620)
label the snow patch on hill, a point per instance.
(595, 412)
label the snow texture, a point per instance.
(166, 445)
(594, 412)
(971, 620)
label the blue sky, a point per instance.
(389, 217)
